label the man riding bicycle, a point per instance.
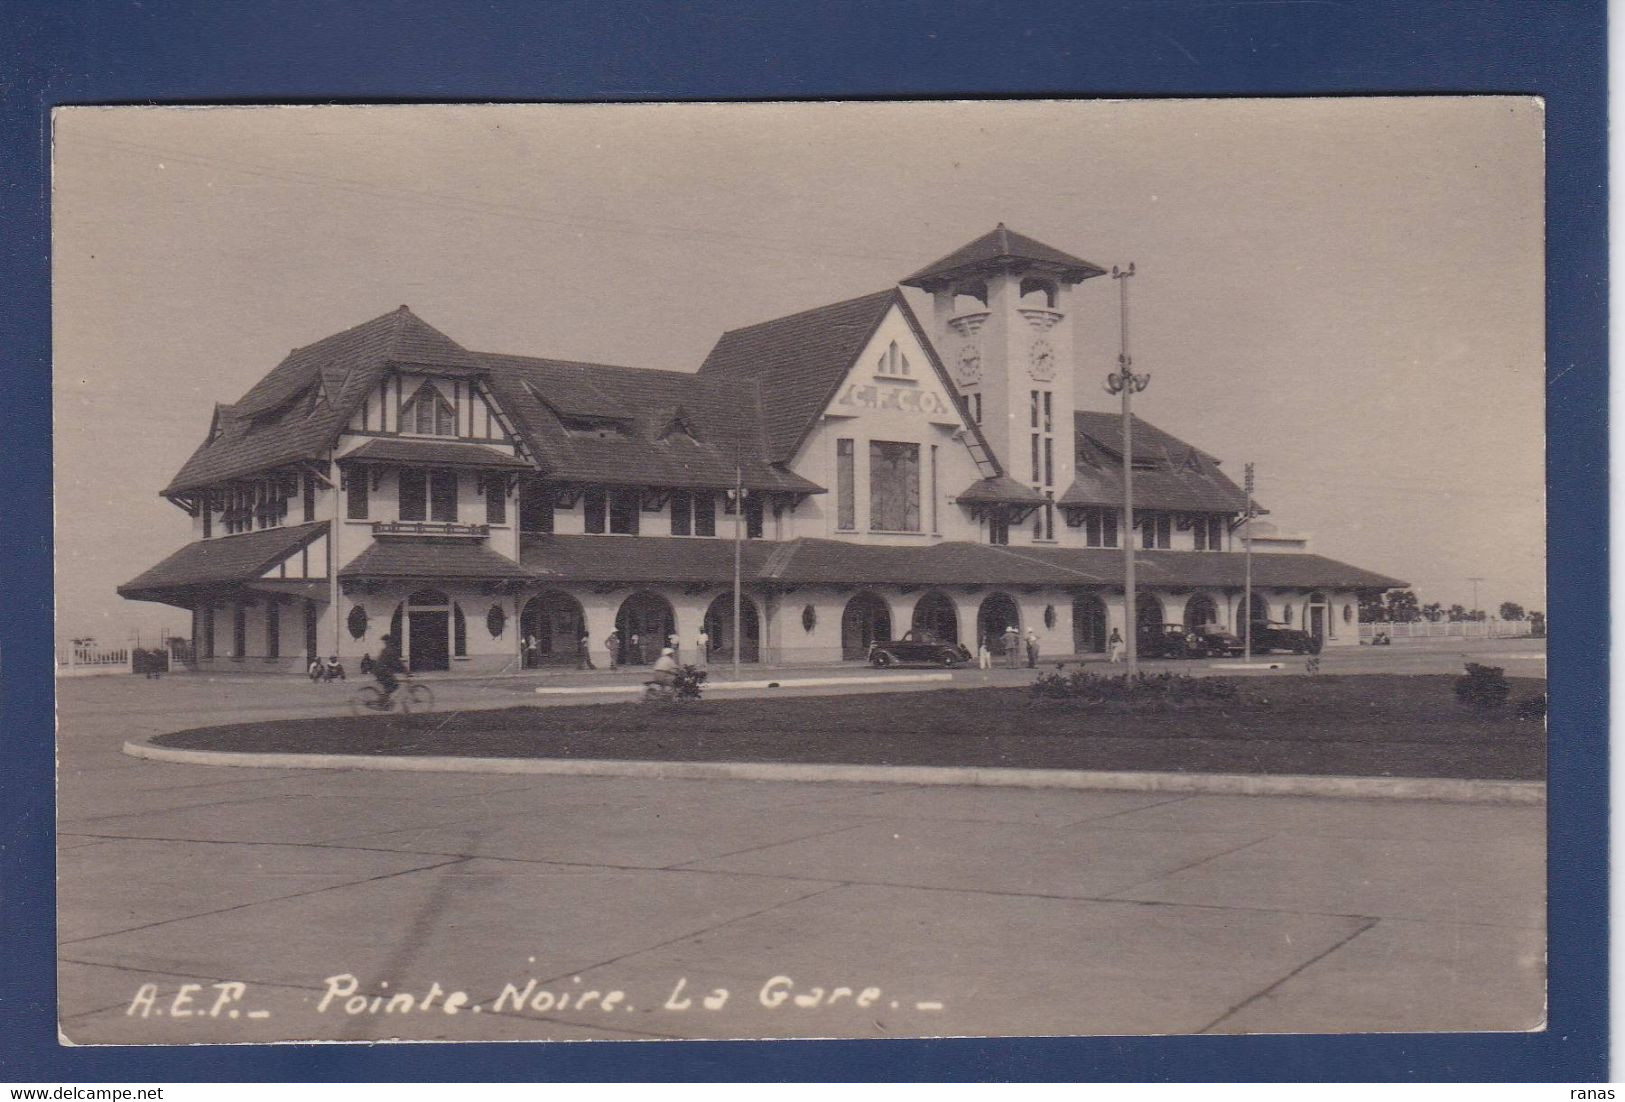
(386, 666)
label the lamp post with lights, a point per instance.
(1125, 384)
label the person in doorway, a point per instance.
(612, 643)
(1114, 646)
(675, 643)
(984, 654)
(634, 650)
(530, 651)
(584, 651)
(702, 649)
(387, 665)
(1012, 647)
(1032, 650)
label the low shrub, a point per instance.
(1483, 687)
(686, 682)
(1144, 689)
(1532, 708)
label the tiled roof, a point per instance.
(1168, 473)
(1000, 247)
(799, 360)
(297, 410)
(632, 425)
(224, 560)
(430, 559)
(640, 558)
(635, 559)
(440, 453)
(1001, 489)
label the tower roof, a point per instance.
(1003, 249)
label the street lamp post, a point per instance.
(1247, 589)
(1126, 384)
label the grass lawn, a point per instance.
(1374, 725)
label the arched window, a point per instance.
(429, 414)
(1036, 292)
(893, 362)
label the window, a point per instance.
(208, 517)
(978, 403)
(623, 512)
(705, 513)
(1049, 411)
(1037, 470)
(1100, 528)
(1201, 533)
(355, 494)
(273, 630)
(443, 496)
(496, 501)
(1034, 409)
(429, 414)
(846, 506)
(998, 527)
(536, 509)
(894, 486)
(893, 362)
(1049, 461)
(594, 502)
(310, 498)
(682, 513)
(239, 631)
(753, 517)
(414, 495)
(1156, 531)
(459, 632)
(1215, 533)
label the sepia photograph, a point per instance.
(694, 571)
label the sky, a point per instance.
(1346, 292)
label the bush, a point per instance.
(686, 682)
(1484, 687)
(1143, 689)
(1532, 708)
(149, 661)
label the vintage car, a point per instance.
(916, 648)
(1179, 641)
(1268, 636)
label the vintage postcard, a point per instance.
(855, 570)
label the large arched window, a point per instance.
(429, 414)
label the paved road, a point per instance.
(916, 911)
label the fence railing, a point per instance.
(78, 661)
(1444, 629)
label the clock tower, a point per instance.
(1002, 325)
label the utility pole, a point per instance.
(1247, 590)
(1126, 384)
(739, 544)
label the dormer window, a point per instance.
(429, 414)
(893, 363)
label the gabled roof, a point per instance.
(800, 360)
(222, 561)
(271, 424)
(1002, 248)
(439, 453)
(1168, 473)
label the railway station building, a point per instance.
(883, 472)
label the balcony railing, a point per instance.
(428, 529)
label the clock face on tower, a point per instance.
(1041, 361)
(968, 368)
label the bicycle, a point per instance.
(406, 699)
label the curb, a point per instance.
(1211, 784)
(734, 686)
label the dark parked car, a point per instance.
(1275, 636)
(916, 648)
(1179, 641)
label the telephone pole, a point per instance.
(1247, 590)
(1126, 384)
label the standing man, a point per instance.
(634, 651)
(676, 644)
(612, 643)
(1114, 646)
(1032, 650)
(1012, 647)
(984, 654)
(702, 648)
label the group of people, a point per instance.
(384, 668)
(632, 649)
(1014, 644)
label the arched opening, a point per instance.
(645, 621)
(997, 614)
(864, 620)
(970, 297)
(550, 629)
(1201, 612)
(1147, 620)
(1038, 292)
(1088, 624)
(1260, 611)
(426, 619)
(935, 615)
(719, 625)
